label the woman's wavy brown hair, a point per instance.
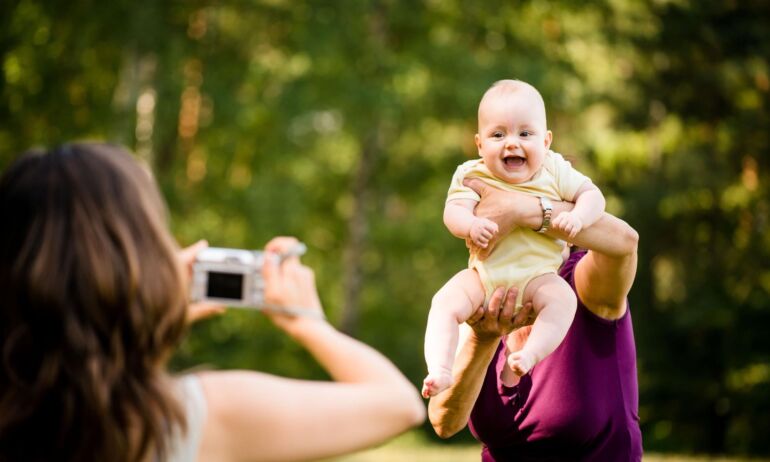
(92, 302)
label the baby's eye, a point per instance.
(525, 133)
(497, 135)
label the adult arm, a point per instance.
(450, 410)
(255, 416)
(589, 207)
(603, 277)
(610, 236)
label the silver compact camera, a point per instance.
(232, 277)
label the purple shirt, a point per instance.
(580, 403)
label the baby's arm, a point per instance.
(461, 222)
(589, 206)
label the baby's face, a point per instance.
(513, 138)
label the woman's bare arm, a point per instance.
(450, 410)
(602, 282)
(256, 416)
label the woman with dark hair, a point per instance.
(581, 402)
(94, 303)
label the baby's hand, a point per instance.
(569, 223)
(482, 230)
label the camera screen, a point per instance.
(225, 285)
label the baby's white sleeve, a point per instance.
(457, 190)
(568, 180)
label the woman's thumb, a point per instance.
(475, 184)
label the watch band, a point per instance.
(547, 207)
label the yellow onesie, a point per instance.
(523, 254)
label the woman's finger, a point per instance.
(203, 310)
(524, 316)
(476, 316)
(187, 255)
(477, 185)
(281, 244)
(497, 296)
(494, 303)
(509, 307)
(484, 252)
(271, 275)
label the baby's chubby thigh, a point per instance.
(550, 290)
(460, 296)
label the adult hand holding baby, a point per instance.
(495, 206)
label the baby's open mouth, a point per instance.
(514, 161)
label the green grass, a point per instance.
(414, 446)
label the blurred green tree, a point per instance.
(342, 123)
(701, 206)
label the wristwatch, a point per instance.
(547, 206)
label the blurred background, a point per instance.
(342, 122)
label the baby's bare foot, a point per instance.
(435, 384)
(521, 362)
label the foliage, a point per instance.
(341, 123)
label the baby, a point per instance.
(513, 142)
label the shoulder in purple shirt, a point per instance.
(580, 403)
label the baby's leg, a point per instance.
(555, 304)
(452, 305)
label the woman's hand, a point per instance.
(200, 310)
(498, 319)
(289, 284)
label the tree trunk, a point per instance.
(357, 232)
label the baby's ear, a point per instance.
(548, 139)
(477, 140)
